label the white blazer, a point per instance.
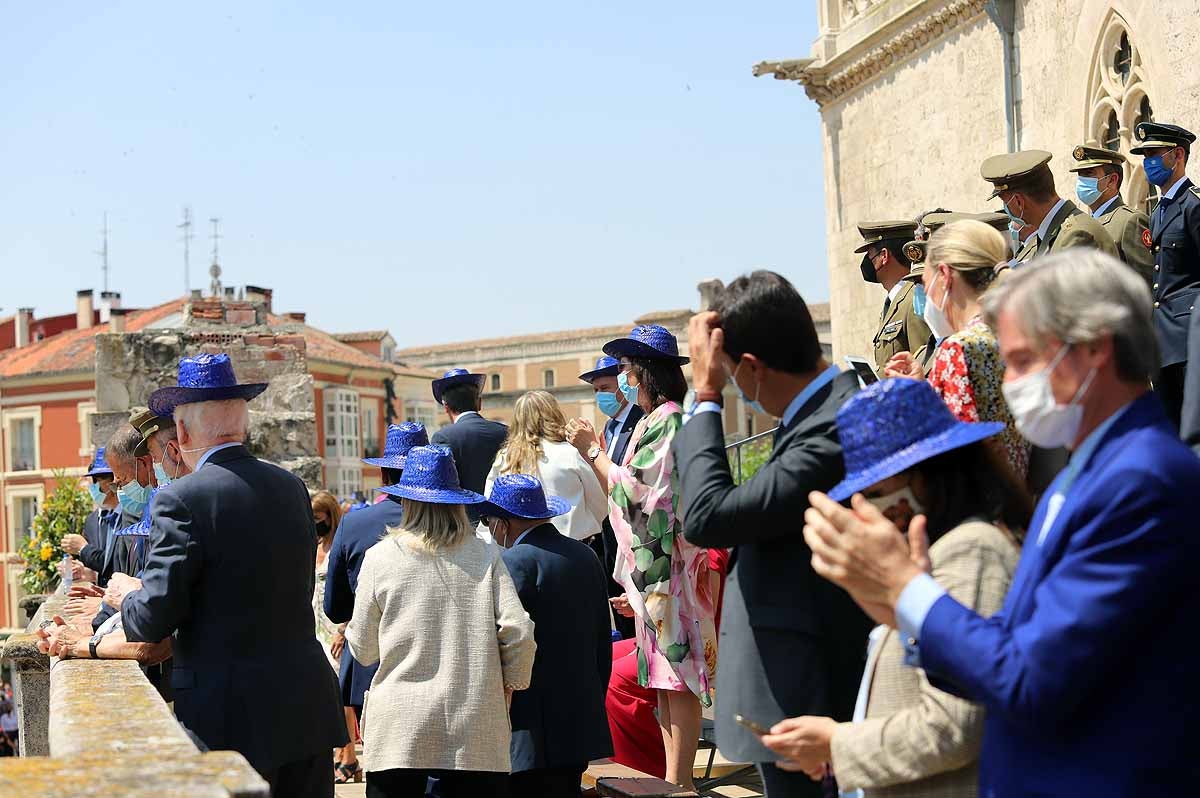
(564, 473)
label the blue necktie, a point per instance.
(610, 430)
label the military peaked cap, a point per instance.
(1152, 135)
(1008, 172)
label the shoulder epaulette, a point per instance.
(1195, 190)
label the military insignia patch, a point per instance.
(1147, 239)
(914, 252)
(1078, 153)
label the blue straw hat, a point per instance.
(891, 425)
(202, 378)
(430, 476)
(456, 377)
(522, 495)
(605, 367)
(99, 464)
(400, 438)
(647, 341)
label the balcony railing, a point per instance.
(739, 453)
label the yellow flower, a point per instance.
(47, 550)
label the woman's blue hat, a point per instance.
(521, 495)
(202, 378)
(99, 464)
(891, 425)
(400, 438)
(605, 367)
(456, 377)
(430, 476)
(648, 341)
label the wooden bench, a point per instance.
(607, 778)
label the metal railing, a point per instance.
(735, 451)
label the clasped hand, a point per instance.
(120, 586)
(581, 434)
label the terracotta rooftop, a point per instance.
(364, 335)
(819, 311)
(75, 350)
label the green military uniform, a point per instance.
(915, 250)
(901, 327)
(1068, 227)
(1128, 227)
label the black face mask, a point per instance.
(868, 270)
(322, 528)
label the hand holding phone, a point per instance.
(751, 725)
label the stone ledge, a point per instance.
(219, 774)
(22, 651)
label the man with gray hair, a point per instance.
(1081, 671)
(230, 572)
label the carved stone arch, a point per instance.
(1118, 96)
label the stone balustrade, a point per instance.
(98, 727)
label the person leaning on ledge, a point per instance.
(1082, 673)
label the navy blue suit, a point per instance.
(560, 721)
(607, 550)
(358, 531)
(96, 529)
(1087, 671)
(230, 572)
(474, 441)
(1175, 234)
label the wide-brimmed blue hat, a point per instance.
(522, 495)
(456, 377)
(202, 378)
(431, 476)
(605, 367)
(400, 439)
(648, 341)
(99, 464)
(891, 425)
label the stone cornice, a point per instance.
(826, 82)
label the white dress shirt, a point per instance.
(564, 473)
(620, 418)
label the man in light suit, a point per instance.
(790, 643)
(559, 724)
(623, 417)
(473, 439)
(249, 673)
(1084, 671)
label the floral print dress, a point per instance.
(665, 577)
(967, 374)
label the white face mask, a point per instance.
(899, 506)
(1038, 415)
(934, 316)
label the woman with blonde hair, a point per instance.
(436, 608)
(537, 445)
(967, 371)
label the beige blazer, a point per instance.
(917, 740)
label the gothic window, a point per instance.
(1118, 99)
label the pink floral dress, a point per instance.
(665, 577)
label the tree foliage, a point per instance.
(62, 514)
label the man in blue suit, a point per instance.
(559, 724)
(1085, 672)
(472, 439)
(359, 531)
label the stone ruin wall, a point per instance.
(283, 425)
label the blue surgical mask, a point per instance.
(919, 299)
(608, 403)
(630, 392)
(1156, 171)
(751, 403)
(96, 494)
(160, 475)
(134, 497)
(1087, 189)
(1014, 221)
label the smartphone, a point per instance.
(751, 725)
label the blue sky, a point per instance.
(446, 171)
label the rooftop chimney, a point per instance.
(84, 313)
(24, 319)
(230, 293)
(108, 301)
(256, 294)
(299, 316)
(196, 295)
(116, 319)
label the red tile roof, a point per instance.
(363, 335)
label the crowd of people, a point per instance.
(969, 576)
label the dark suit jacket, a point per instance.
(95, 530)
(231, 570)
(1175, 235)
(1084, 671)
(358, 531)
(609, 538)
(474, 440)
(560, 720)
(625, 433)
(791, 643)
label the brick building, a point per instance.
(61, 395)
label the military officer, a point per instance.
(1024, 183)
(901, 328)
(1099, 174)
(1175, 242)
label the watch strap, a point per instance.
(710, 396)
(92, 643)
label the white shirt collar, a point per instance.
(1096, 214)
(1045, 225)
(211, 452)
(464, 414)
(1173, 190)
(896, 289)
